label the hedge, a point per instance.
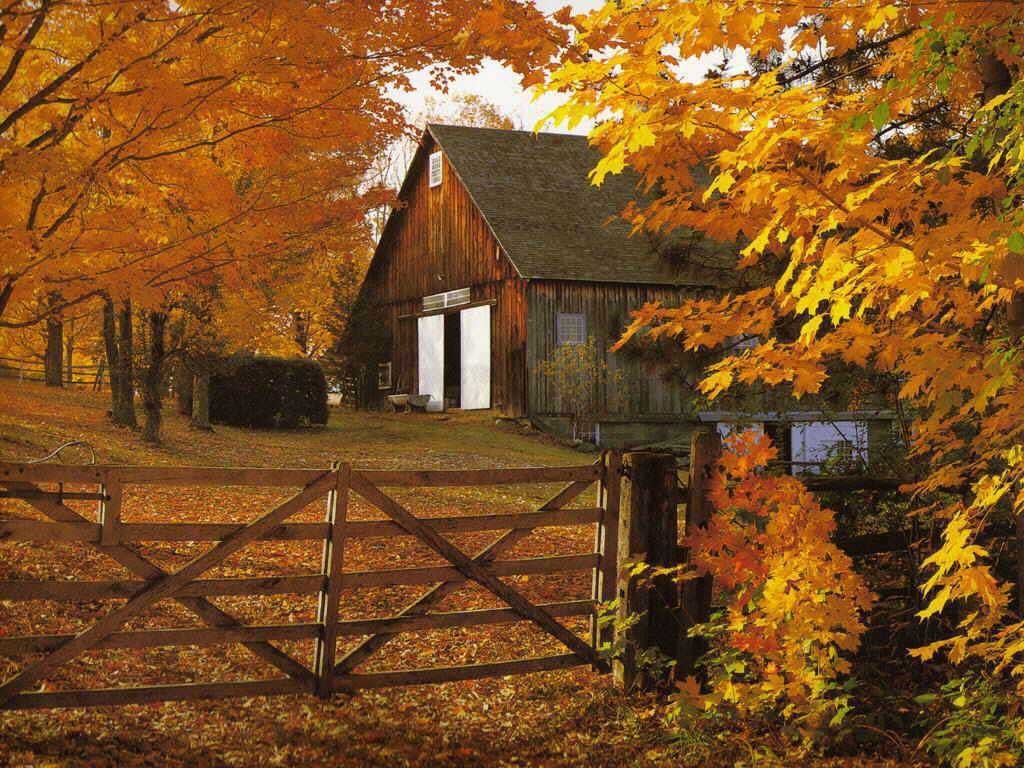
(269, 392)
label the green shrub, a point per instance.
(269, 392)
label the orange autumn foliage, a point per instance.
(146, 145)
(793, 602)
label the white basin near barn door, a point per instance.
(430, 347)
(475, 379)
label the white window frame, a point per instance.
(570, 328)
(455, 298)
(384, 380)
(435, 169)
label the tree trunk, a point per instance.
(201, 400)
(183, 390)
(118, 349)
(152, 379)
(69, 354)
(53, 362)
(110, 351)
(126, 358)
(300, 321)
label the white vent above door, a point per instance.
(447, 299)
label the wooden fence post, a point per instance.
(606, 544)
(648, 532)
(110, 512)
(695, 594)
(330, 595)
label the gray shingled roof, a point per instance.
(534, 191)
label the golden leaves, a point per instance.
(880, 202)
(207, 142)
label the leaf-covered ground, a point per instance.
(572, 717)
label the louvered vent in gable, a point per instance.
(435, 169)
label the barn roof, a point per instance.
(533, 189)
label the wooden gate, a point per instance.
(50, 488)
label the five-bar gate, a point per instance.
(50, 488)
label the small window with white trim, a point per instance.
(384, 375)
(436, 169)
(571, 328)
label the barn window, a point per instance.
(384, 376)
(571, 328)
(447, 299)
(816, 444)
(727, 428)
(435, 169)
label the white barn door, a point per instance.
(475, 376)
(431, 360)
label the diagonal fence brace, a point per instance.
(165, 587)
(474, 570)
(370, 645)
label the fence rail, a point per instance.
(112, 536)
(28, 369)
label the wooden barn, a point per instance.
(500, 254)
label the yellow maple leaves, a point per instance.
(867, 167)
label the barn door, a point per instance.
(431, 360)
(475, 383)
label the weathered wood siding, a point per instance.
(606, 307)
(440, 242)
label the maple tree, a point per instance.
(794, 605)
(149, 147)
(866, 158)
(585, 385)
(112, 111)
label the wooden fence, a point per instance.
(659, 498)
(49, 487)
(636, 517)
(33, 369)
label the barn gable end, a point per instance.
(437, 242)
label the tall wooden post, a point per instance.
(330, 595)
(606, 544)
(648, 533)
(695, 594)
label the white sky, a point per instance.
(499, 84)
